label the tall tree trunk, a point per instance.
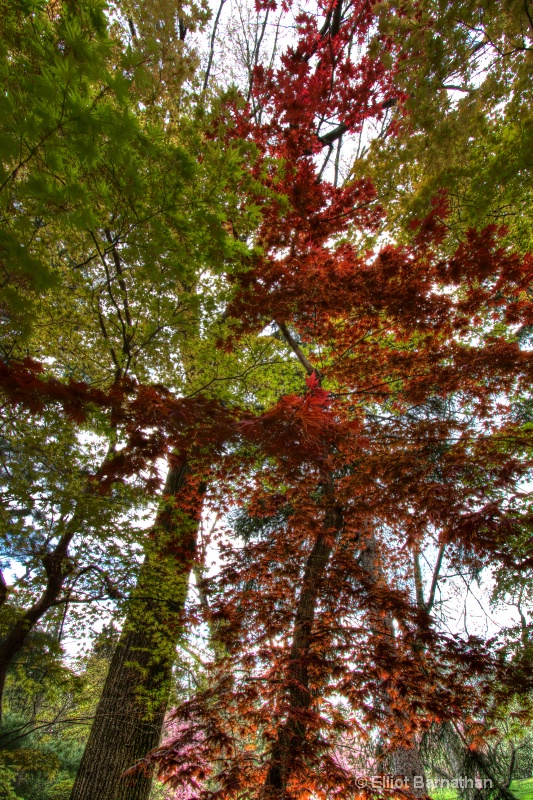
(129, 717)
(291, 735)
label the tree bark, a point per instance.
(129, 717)
(292, 733)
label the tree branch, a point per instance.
(435, 579)
(295, 347)
(212, 45)
(332, 136)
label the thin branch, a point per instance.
(120, 275)
(255, 54)
(436, 572)
(298, 352)
(72, 721)
(212, 45)
(419, 585)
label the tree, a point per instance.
(359, 475)
(465, 86)
(103, 215)
(392, 332)
(128, 302)
(58, 535)
(64, 115)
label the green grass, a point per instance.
(523, 790)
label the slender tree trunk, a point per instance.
(291, 735)
(54, 564)
(129, 718)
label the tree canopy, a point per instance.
(266, 391)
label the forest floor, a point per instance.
(523, 790)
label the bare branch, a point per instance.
(212, 45)
(436, 572)
(298, 352)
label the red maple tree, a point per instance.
(406, 430)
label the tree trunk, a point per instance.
(14, 641)
(129, 717)
(291, 735)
